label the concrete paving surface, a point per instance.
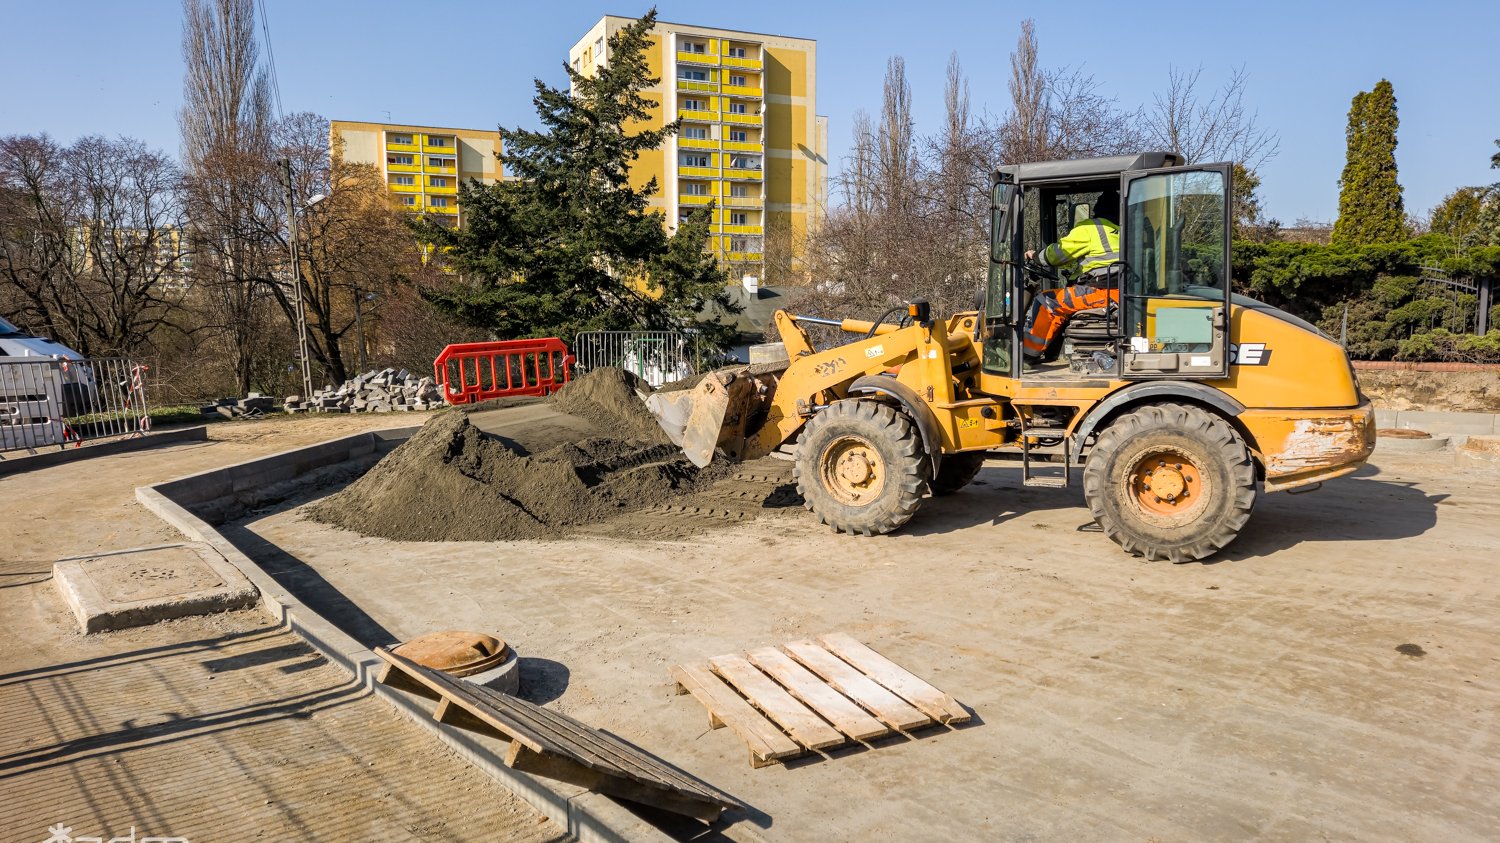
(217, 728)
(1333, 675)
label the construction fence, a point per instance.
(657, 357)
(46, 401)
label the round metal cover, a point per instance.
(454, 652)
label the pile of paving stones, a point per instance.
(382, 391)
(251, 407)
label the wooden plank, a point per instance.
(449, 713)
(554, 767)
(895, 677)
(829, 703)
(805, 727)
(459, 691)
(886, 706)
(766, 742)
(393, 676)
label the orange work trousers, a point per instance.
(1050, 311)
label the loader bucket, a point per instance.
(719, 414)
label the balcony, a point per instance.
(391, 146)
(449, 209)
(405, 188)
(743, 257)
(694, 199)
(699, 143)
(747, 62)
(740, 201)
(743, 173)
(705, 59)
(697, 172)
(702, 115)
(742, 119)
(450, 190)
(744, 146)
(742, 229)
(439, 171)
(741, 91)
(447, 147)
(403, 168)
(696, 85)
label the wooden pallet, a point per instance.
(810, 696)
(547, 743)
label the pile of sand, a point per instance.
(451, 482)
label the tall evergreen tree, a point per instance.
(1370, 206)
(568, 244)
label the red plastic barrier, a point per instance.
(479, 371)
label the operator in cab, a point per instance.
(1086, 254)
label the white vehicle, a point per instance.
(78, 387)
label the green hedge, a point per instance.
(1391, 310)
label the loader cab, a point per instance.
(1167, 314)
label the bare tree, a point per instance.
(1220, 128)
(225, 123)
(1058, 113)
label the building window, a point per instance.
(738, 190)
(408, 200)
(438, 201)
(432, 141)
(695, 47)
(399, 160)
(694, 188)
(599, 49)
(737, 108)
(738, 219)
(437, 181)
(694, 105)
(577, 65)
(736, 52)
(695, 132)
(739, 135)
(694, 75)
(408, 181)
(440, 162)
(744, 162)
(745, 244)
(737, 80)
(695, 161)
(403, 139)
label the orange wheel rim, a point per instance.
(853, 471)
(1167, 482)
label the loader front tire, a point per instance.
(860, 467)
(957, 471)
(1170, 481)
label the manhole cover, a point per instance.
(1401, 433)
(455, 653)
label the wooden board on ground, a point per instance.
(896, 678)
(781, 701)
(827, 702)
(726, 708)
(547, 743)
(805, 727)
(891, 709)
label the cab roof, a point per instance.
(1086, 168)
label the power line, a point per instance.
(265, 31)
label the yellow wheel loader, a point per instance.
(1180, 400)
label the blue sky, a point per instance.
(103, 66)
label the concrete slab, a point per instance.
(145, 585)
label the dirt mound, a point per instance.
(611, 399)
(452, 482)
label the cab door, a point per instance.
(1174, 287)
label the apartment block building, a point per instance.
(751, 140)
(422, 164)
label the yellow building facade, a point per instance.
(751, 143)
(422, 164)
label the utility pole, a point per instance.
(301, 310)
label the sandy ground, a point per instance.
(1259, 696)
(215, 728)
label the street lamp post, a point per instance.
(300, 307)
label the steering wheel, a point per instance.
(1041, 271)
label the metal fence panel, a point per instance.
(57, 402)
(657, 357)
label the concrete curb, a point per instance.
(587, 816)
(1392, 444)
(16, 465)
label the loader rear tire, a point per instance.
(957, 471)
(1203, 476)
(860, 467)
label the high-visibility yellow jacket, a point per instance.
(1092, 244)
